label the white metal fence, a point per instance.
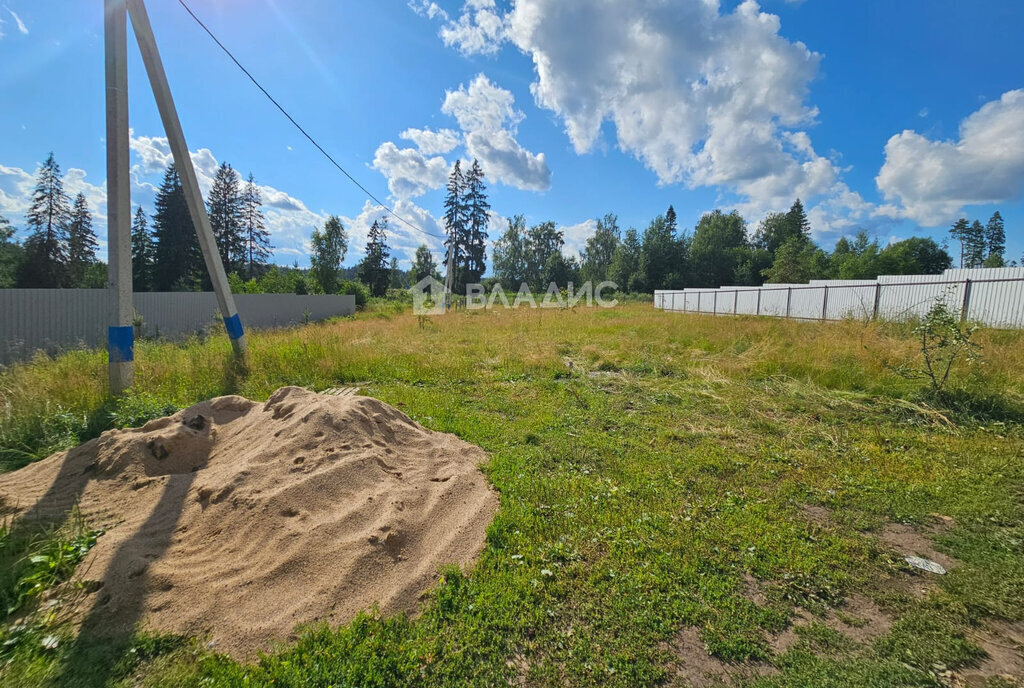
(53, 320)
(991, 296)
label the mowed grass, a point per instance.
(653, 468)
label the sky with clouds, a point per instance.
(895, 118)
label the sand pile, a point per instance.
(240, 520)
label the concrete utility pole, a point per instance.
(449, 274)
(120, 335)
(183, 163)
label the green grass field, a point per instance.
(684, 500)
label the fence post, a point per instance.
(714, 304)
(878, 298)
(824, 304)
(789, 299)
(735, 301)
(698, 301)
(967, 301)
(758, 312)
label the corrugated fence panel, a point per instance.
(996, 297)
(851, 302)
(807, 302)
(54, 320)
(746, 302)
(773, 301)
(912, 296)
(176, 314)
(997, 303)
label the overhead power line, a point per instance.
(298, 126)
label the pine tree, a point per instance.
(143, 252)
(478, 218)
(46, 249)
(254, 229)
(995, 238)
(82, 243)
(960, 231)
(974, 245)
(224, 207)
(178, 259)
(373, 270)
(456, 221)
(423, 265)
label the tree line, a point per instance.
(721, 250)
(60, 250)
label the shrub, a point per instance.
(352, 288)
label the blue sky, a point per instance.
(891, 117)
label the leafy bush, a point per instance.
(352, 288)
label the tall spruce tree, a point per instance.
(798, 222)
(995, 238)
(373, 270)
(456, 223)
(975, 245)
(178, 260)
(224, 207)
(45, 265)
(82, 242)
(254, 229)
(477, 220)
(143, 252)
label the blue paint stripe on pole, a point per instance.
(234, 326)
(121, 344)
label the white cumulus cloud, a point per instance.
(480, 28)
(433, 142)
(701, 95)
(409, 172)
(487, 115)
(931, 181)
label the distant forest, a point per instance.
(59, 249)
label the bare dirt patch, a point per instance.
(858, 619)
(909, 541)
(696, 668)
(1004, 643)
(818, 515)
(239, 520)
